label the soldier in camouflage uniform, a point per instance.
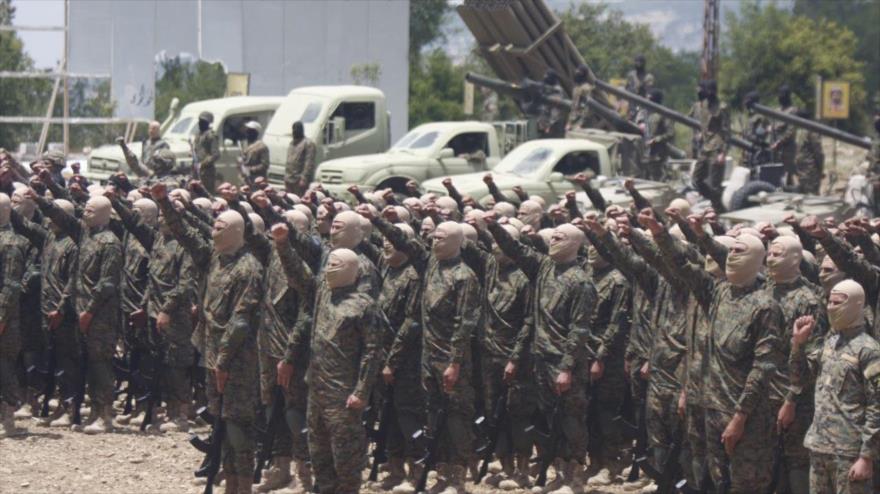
(449, 299)
(168, 299)
(742, 356)
(638, 81)
(96, 285)
(57, 266)
(230, 305)
(11, 270)
(809, 159)
(299, 171)
(564, 299)
(206, 147)
(580, 115)
(659, 135)
(714, 133)
(695, 112)
(844, 437)
(784, 144)
(254, 160)
(346, 349)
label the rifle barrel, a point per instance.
(803, 123)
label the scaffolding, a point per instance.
(62, 77)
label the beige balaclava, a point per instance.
(323, 220)
(5, 209)
(346, 231)
(297, 219)
(448, 238)
(414, 205)
(259, 224)
(204, 204)
(682, 205)
(784, 259)
(135, 195)
(403, 213)
(530, 213)
(428, 227)
(849, 312)
(302, 208)
(595, 259)
(448, 207)
(565, 242)
(829, 274)
(744, 260)
(228, 232)
(147, 210)
(23, 204)
(342, 268)
(712, 267)
(504, 209)
(500, 257)
(97, 212)
(469, 232)
(392, 256)
(181, 195)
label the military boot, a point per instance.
(408, 486)
(520, 477)
(278, 475)
(245, 482)
(104, 421)
(455, 483)
(231, 485)
(396, 474)
(442, 479)
(7, 421)
(304, 474)
(573, 482)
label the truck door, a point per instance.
(470, 152)
(351, 130)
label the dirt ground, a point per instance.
(60, 461)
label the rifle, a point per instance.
(432, 435)
(550, 440)
(212, 447)
(52, 375)
(267, 441)
(778, 462)
(665, 479)
(639, 431)
(80, 395)
(153, 395)
(380, 436)
(496, 428)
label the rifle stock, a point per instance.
(429, 461)
(273, 422)
(380, 437)
(497, 427)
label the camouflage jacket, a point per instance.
(11, 269)
(564, 299)
(148, 148)
(809, 149)
(231, 299)
(796, 299)
(785, 134)
(255, 159)
(610, 321)
(399, 300)
(299, 277)
(135, 272)
(743, 349)
(714, 126)
(660, 131)
(300, 160)
(96, 283)
(509, 313)
(207, 148)
(860, 270)
(59, 254)
(846, 371)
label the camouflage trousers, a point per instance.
(409, 412)
(296, 398)
(695, 431)
(100, 343)
(68, 360)
(337, 444)
(520, 406)
(809, 176)
(281, 446)
(750, 465)
(707, 178)
(830, 474)
(610, 443)
(663, 423)
(572, 406)
(208, 176)
(238, 442)
(457, 437)
(794, 474)
(10, 345)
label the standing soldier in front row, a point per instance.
(844, 437)
(231, 306)
(300, 169)
(206, 147)
(11, 270)
(254, 160)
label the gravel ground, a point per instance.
(60, 461)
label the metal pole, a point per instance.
(64, 71)
(199, 27)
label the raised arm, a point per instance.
(143, 233)
(35, 233)
(527, 260)
(494, 191)
(413, 249)
(594, 195)
(701, 283)
(69, 224)
(199, 249)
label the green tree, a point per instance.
(187, 81)
(766, 46)
(426, 19)
(436, 88)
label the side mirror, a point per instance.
(227, 143)
(446, 153)
(555, 177)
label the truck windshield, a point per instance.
(523, 162)
(416, 140)
(304, 108)
(182, 126)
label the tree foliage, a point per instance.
(187, 81)
(436, 88)
(426, 19)
(766, 46)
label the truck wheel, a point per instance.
(740, 198)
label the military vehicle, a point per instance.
(341, 120)
(230, 115)
(542, 167)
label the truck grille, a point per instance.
(331, 176)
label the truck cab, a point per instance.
(230, 115)
(341, 121)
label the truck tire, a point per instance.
(740, 198)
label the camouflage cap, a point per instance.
(55, 157)
(206, 116)
(163, 161)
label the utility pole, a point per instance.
(64, 72)
(711, 35)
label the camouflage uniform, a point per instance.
(11, 269)
(169, 289)
(33, 338)
(581, 116)
(255, 160)
(846, 423)
(563, 302)
(207, 148)
(809, 161)
(150, 146)
(96, 285)
(860, 270)
(230, 305)
(785, 135)
(135, 261)
(59, 253)
(449, 298)
(300, 164)
(659, 130)
(741, 357)
(715, 131)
